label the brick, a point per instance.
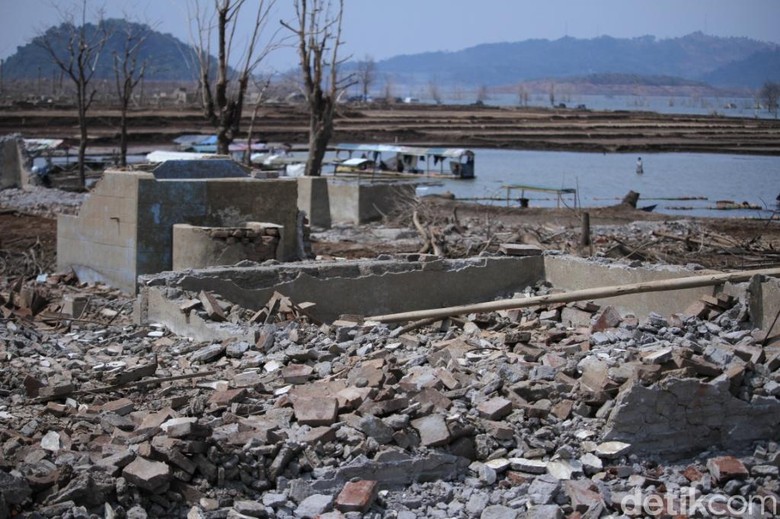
(317, 435)
(122, 407)
(211, 306)
(726, 468)
(607, 318)
(692, 474)
(297, 373)
(357, 496)
(185, 426)
(582, 494)
(519, 249)
(352, 397)
(611, 450)
(434, 398)
(225, 398)
(562, 410)
(152, 476)
(575, 317)
(498, 430)
(154, 420)
(315, 411)
(528, 466)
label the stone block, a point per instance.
(227, 397)
(495, 408)
(152, 476)
(122, 406)
(433, 430)
(297, 373)
(528, 466)
(315, 411)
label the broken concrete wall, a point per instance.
(328, 201)
(101, 244)
(676, 417)
(214, 203)
(12, 162)
(200, 247)
(350, 287)
(314, 201)
(351, 202)
(125, 228)
(764, 303)
(572, 273)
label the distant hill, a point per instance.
(752, 71)
(168, 58)
(695, 57)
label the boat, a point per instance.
(407, 161)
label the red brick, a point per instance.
(725, 468)
(225, 398)
(357, 496)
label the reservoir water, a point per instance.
(604, 179)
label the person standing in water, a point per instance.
(639, 168)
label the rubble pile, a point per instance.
(677, 242)
(517, 413)
(42, 201)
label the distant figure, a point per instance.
(639, 167)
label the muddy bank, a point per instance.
(471, 126)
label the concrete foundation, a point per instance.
(329, 201)
(678, 417)
(200, 247)
(12, 161)
(353, 287)
(125, 228)
(572, 273)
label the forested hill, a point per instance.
(167, 57)
(696, 57)
(717, 61)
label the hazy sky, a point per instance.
(384, 28)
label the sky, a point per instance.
(380, 29)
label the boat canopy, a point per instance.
(404, 150)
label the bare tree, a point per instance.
(317, 31)
(522, 95)
(261, 86)
(366, 75)
(770, 93)
(434, 91)
(75, 49)
(128, 72)
(389, 89)
(223, 95)
(482, 94)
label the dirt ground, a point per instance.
(471, 126)
(28, 241)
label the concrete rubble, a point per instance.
(568, 410)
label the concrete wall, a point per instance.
(12, 172)
(764, 301)
(360, 287)
(313, 199)
(125, 228)
(328, 201)
(100, 244)
(572, 273)
(200, 247)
